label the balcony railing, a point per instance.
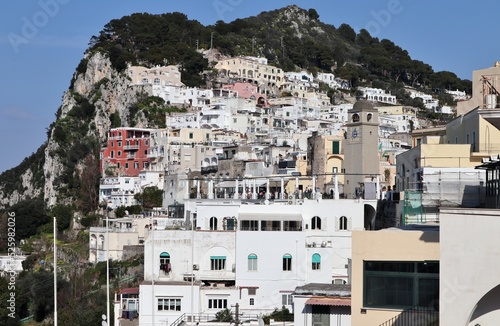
(209, 169)
(131, 147)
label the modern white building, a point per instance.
(377, 95)
(469, 293)
(253, 253)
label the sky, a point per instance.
(42, 42)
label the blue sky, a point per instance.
(42, 42)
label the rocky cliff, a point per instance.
(98, 94)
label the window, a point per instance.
(217, 263)
(191, 135)
(286, 299)
(400, 284)
(252, 262)
(343, 223)
(169, 304)
(217, 303)
(126, 165)
(213, 223)
(252, 301)
(136, 165)
(316, 262)
(252, 225)
(119, 144)
(316, 223)
(165, 262)
(287, 262)
(270, 225)
(112, 154)
(336, 147)
(355, 117)
(369, 117)
(145, 165)
(119, 153)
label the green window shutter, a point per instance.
(336, 147)
(217, 257)
(316, 258)
(164, 255)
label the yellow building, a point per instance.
(394, 270)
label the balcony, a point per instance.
(156, 154)
(130, 156)
(131, 147)
(209, 169)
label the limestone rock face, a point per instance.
(109, 91)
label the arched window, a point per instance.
(343, 223)
(252, 262)
(93, 241)
(101, 242)
(369, 117)
(165, 262)
(316, 262)
(213, 223)
(316, 223)
(287, 262)
(355, 117)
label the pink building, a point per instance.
(248, 91)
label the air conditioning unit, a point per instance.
(196, 267)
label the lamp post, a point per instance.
(107, 266)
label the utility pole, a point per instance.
(237, 317)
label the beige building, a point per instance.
(430, 155)
(479, 128)
(324, 159)
(485, 83)
(394, 270)
(159, 75)
(253, 70)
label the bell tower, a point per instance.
(361, 159)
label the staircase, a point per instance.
(415, 316)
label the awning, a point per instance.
(249, 183)
(329, 302)
(285, 216)
(226, 184)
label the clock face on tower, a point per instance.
(354, 135)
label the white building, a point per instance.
(469, 293)
(119, 191)
(246, 254)
(377, 95)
